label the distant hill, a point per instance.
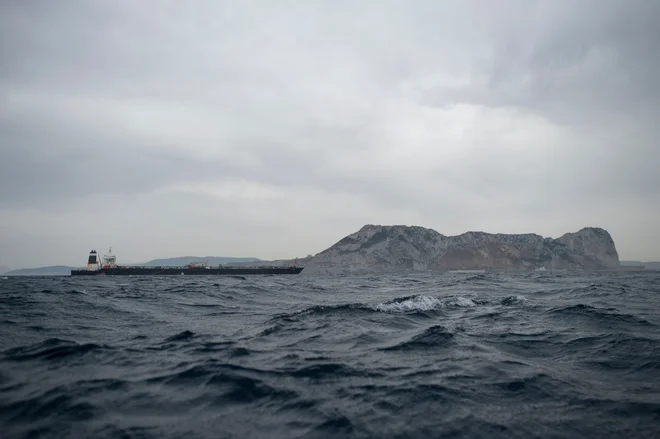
(653, 265)
(3, 269)
(54, 270)
(185, 260)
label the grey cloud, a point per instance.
(571, 61)
(44, 165)
(312, 95)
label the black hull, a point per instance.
(174, 271)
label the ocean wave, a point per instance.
(225, 383)
(52, 349)
(449, 355)
(604, 315)
(331, 370)
(319, 310)
(411, 304)
(181, 336)
(432, 337)
(408, 304)
(513, 300)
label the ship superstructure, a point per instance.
(93, 262)
(109, 260)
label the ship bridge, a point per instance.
(93, 261)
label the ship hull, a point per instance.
(174, 271)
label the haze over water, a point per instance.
(538, 355)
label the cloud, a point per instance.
(143, 117)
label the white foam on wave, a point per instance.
(423, 303)
(417, 303)
(463, 302)
(513, 300)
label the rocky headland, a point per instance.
(376, 248)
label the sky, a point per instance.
(274, 129)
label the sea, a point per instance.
(442, 355)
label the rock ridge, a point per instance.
(392, 248)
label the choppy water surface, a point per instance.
(450, 355)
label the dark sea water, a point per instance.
(457, 355)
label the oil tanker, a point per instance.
(107, 266)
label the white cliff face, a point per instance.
(401, 248)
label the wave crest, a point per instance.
(51, 349)
(422, 303)
(434, 336)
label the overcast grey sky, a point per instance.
(275, 128)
